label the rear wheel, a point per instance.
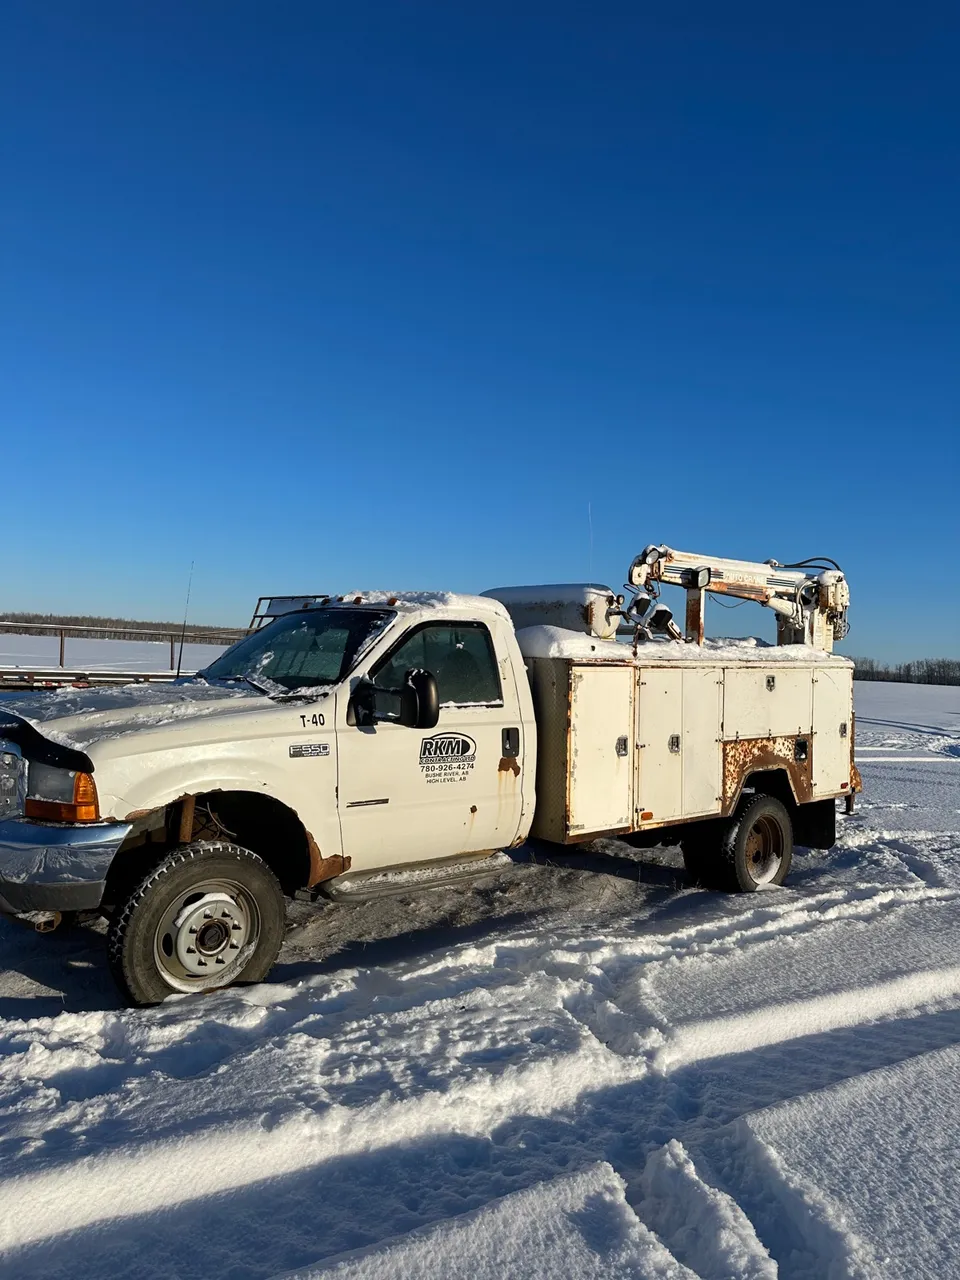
(757, 846)
(207, 916)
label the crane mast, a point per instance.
(810, 598)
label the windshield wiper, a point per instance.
(267, 687)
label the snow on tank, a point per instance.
(587, 608)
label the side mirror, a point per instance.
(419, 700)
(362, 710)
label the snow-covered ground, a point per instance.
(577, 1068)
(81, 654)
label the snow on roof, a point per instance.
(555, 642)
(407, 601)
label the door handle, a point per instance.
(510, 743)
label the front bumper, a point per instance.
(55, 867)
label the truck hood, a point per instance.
(78, 718)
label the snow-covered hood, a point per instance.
(80, 717)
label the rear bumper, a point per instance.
(55, 867)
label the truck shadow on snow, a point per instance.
(274, 1224)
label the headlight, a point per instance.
(60, 795)
(11, 780)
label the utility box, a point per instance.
(629, 743)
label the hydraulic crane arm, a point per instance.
(809, 598)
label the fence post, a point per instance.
(63, 641)
(172, 642)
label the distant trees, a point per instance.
(113, 628)
(920, 671)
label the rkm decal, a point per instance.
(447, 757)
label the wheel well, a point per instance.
(772, 782)
(256, 822)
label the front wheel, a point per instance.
(209, 915)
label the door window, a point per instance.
(461, 657)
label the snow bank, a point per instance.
(578, 1226)
(703, 1226)
(867, 1168)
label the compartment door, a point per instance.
(832, 729)
(767, 702)
(601, 749)
(661, 743)
(702, 700)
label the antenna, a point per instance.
(590, 526)
(186, 610)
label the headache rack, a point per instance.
(270, 607)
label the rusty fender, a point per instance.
(750, 755)
(322, 868)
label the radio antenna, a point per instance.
(590, 527)
(186, 610)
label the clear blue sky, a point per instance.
(384, 294)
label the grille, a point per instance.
(12, 778)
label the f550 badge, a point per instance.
(301, 750)
(447, 757)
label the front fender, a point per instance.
(133, 785)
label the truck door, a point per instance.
(412, 794)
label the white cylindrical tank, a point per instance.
(587, 607)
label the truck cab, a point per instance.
(366, 731)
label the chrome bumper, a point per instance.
(55, 868)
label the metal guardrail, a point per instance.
(226, 636)
(12, 679)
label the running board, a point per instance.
(364, 886)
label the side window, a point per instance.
(460, 655)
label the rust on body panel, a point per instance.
(322, 868)
(188, 810)
(509, 764)
(751, 755)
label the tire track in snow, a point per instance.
(146, 1179)
(738, 1033)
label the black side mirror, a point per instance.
(362, 710)
(416, 704)
(419, 700)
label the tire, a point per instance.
(222, 898)
(757, 846)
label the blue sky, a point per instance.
(388, 294)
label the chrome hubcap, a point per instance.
(206, 935)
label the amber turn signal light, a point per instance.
(85, 807)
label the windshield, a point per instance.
(303, 650)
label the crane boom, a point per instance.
(810, 599)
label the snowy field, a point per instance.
(575, 1069)
(32, 651)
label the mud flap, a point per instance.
(815, 824)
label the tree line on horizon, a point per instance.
(111, 628)
(919, 671)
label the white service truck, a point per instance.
(346, 735)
